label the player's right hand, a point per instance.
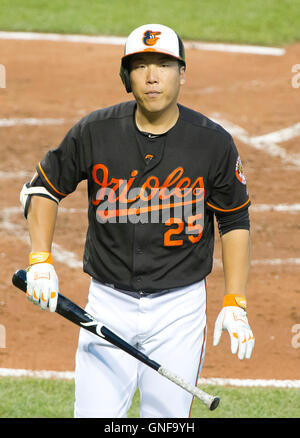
(42, 281)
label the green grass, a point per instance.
(36, 398)
(269, 22)
(41, 398)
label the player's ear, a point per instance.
(182, 74)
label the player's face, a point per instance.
(155, 81)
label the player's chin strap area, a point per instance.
(27, 192)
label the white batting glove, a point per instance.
(42, 281)
(233, 318)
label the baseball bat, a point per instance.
(71, 311)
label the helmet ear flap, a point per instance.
(124, 73)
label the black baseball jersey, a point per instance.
(151, 199)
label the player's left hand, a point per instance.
(234, 320)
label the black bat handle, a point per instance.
(68, 309)
(19, 279)
(65, 307)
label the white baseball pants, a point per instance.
(169, 327)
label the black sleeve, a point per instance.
(228, 184)
(63, 168)
(237, 220)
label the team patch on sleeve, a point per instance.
(239, 171)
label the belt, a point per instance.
(141, 293)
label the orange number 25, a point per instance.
(192, 227)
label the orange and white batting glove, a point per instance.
(42, 281)
(233, 318)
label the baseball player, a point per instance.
(157, 173)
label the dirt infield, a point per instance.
(48, 80)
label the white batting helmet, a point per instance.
(151, 38)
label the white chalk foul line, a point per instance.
(13, 175)
(60, 254)
(277, 262)
(36, 36)
(69, 375)
(280, 136)
(14, 121)
(290, 261)
(250, 383)
(120, 41)
(235, 48)
(267, 143)
(41, 374)
(283, 208)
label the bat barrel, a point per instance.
(119, 342)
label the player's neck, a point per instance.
(156, 122)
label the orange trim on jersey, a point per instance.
(50, 184)
(232, 209)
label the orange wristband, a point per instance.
(235, 300)
(40, 257)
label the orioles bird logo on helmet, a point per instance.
(150, 38)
